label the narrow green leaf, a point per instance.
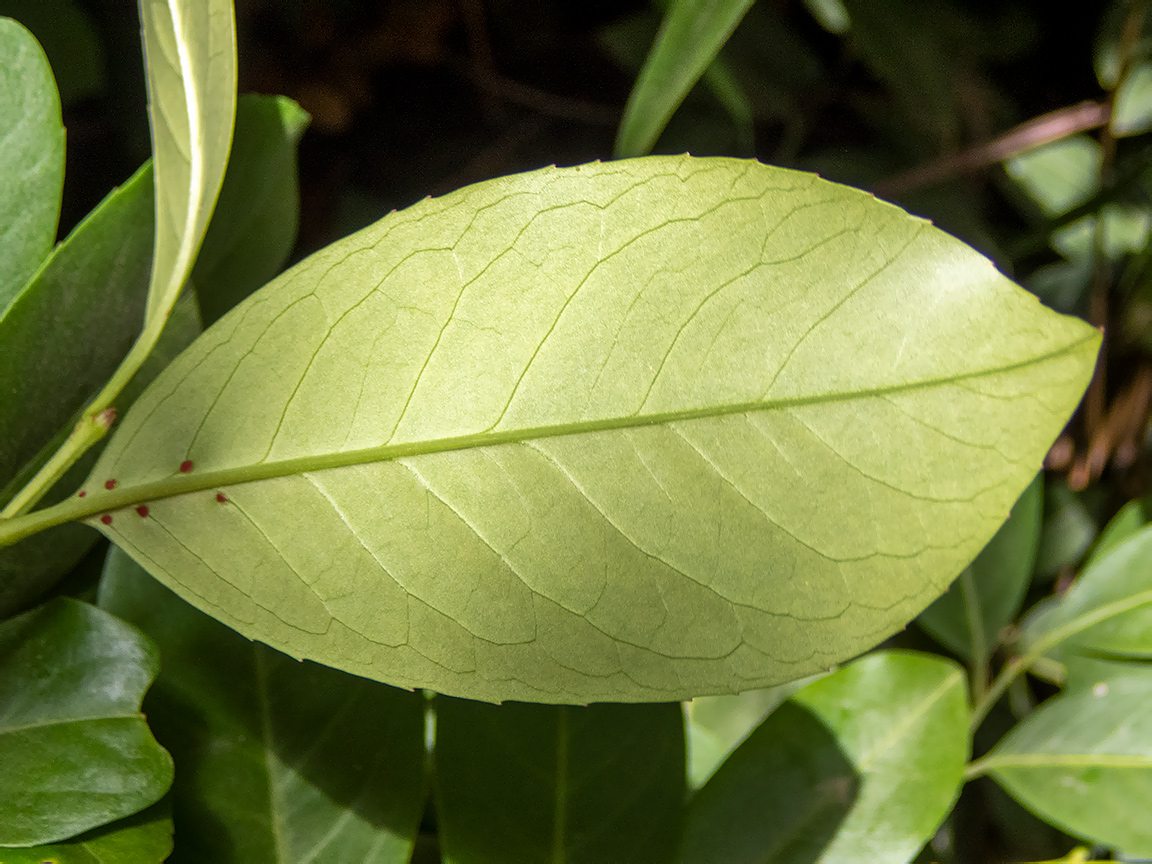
(692, 34)
(543, 783)
(604, 439)
(279, 761)
(31, 158)
(830, 14)
(253, 227)
(190, 65)
(75, 752)
(862, 765)
(143, 838)
(1083, 761)
(1109, 607)
(987, 595)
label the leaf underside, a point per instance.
(631, 431)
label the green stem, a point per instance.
(1046, 643)
(94, 424)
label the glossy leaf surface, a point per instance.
(539, 438)
(692, 34)
(75, 751)
(716, 725)
(1109, 607)
(278, 761)
(143, 838)
(254, 224)
(555, 783)
(1083, 761)
(190, 65)
(31, 158)
(860, 766)
(987, 595)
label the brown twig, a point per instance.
(541, 101)
(1038, 131)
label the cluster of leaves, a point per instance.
(367, 465)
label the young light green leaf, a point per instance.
(31, 158)
(143, 838)
(543, 783)
(190, 61)
(602, 398)
(75, 752)
(1108, 609)
(1084, 762)
(987, 595)
(1060, 175)
(862, 765)
(254, 224)
(278, 761)
(692, 34)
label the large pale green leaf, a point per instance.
(1084, 762)
(860, 766)
(143, 838)
(190, 61)
(987, 595)
(1109, 607)
(643, 430)
(561, 784)
(31, 158)
(278, 761)
(254, 224)
(75, 752)
(692, 33)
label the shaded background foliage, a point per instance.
(417, 97)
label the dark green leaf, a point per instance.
(860, 766)
(717, 724)
(692, 33)
(279, 761)
(75, 752)
(548, 783)
(144, 838)
(987, 595)
(64, 337)
(69, 39)
(31, 158)
(254, 224)
(1066, 533)
(1083, 761)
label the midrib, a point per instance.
(100, 501)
